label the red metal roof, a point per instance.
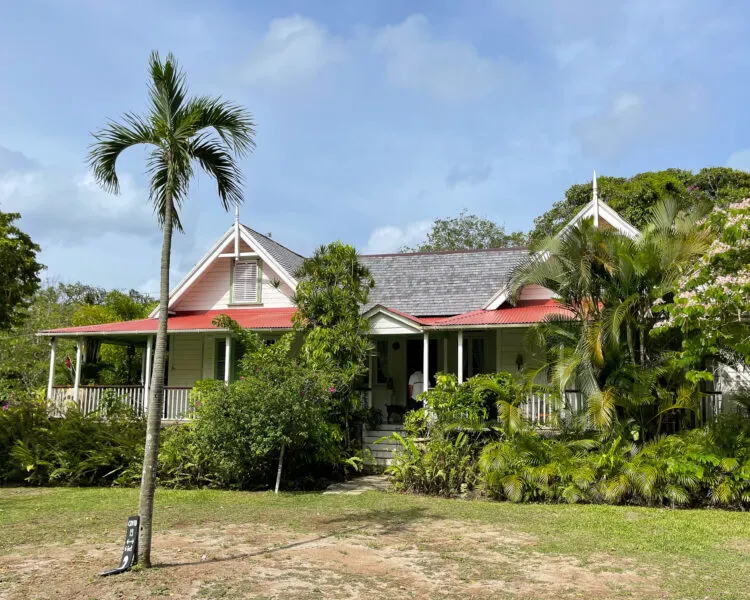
(527, 312)
(524, 313)
(249, 318)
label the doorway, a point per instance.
(414, 358)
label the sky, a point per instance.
(373, 117)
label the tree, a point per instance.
(24, 357)
(19, 271)
(712, 305)
(612, 286)
(332, 288)
(634, 197)
(467, 232)
(279, 405)
(112, 363)
(181, 132)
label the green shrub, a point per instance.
(443, 440)
(699, 467)
(238, 431)
(442, 466)
(530, 467)
(75, 450)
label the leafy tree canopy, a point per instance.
(24, 357)
(712, 308)
(467, 232)
(19, 270)
(634, 197)
(333, 286)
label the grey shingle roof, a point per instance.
(440, 283)
(287, 258)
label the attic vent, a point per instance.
(245, 282)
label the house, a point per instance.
(435, 311)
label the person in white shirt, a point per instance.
(416, 387)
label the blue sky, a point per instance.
(373, 117)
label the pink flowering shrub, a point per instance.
(712, 305)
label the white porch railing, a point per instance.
(177, 405)
(541, 408)
(711, 406)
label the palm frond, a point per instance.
(221, 165)
(233, 124)
(111, 142)
(167, 91)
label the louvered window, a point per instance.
(245, 282)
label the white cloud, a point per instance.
(68, 209)
(740, 160)
(392, 237)
(294, 48)
(449, 70)
(636, 116)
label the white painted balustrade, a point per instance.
(177, 401)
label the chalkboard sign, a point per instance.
(130, 550)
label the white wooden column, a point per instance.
(51, 379)
(445, 354)
(426, 360)
(460, 348)
(227, 358)
(498, 348)
(370, 378)
(147, 374)
(77, 380)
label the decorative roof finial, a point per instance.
(237, 231)
(595, 197)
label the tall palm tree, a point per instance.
(180, 132)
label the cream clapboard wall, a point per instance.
(185, 359)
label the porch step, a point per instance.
(382, 453)
(370, 437)
(390, 427)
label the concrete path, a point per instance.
(356, 486)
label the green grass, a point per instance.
(702, 553)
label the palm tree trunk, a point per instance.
(631, 343)
(156, 399)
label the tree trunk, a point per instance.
(278, 471)
(156, 399)
(631, 343)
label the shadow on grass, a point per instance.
(387, 521)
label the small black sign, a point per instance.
(130, 550)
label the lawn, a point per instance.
(212, 544)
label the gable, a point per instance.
(605, 217)
(386, 321)
(216, 289)
(208, 286)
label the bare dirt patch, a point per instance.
(424, 558)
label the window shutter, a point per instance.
(245, 284)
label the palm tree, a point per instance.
(180, 132)
(613, 285)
